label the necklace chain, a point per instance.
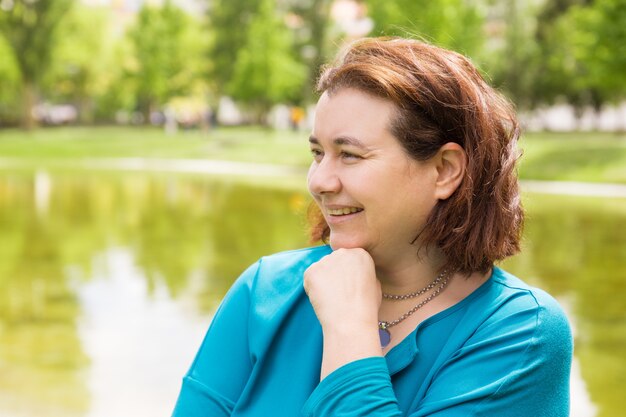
(442, 278)
(417, 293)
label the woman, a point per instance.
(404, 313)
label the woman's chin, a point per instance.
(339, 243)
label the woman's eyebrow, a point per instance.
(342, 140)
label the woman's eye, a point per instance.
(348, 155)
(317, 154)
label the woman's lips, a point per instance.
(338, 215)
(343, 211)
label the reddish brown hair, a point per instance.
(441, 98)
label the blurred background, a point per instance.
(151, 150)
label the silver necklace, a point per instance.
(383, 326)
(417, 293)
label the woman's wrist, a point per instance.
(348, 342)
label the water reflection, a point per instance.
(575, 248)
(107, 284)
(132, 335)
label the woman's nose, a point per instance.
(323, 178)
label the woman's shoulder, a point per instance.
(519, 292)
(516, 303)
(289, 265)
(508, 344)
(275, 293)
(280, 274)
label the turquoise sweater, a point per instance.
(505, 350)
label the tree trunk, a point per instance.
(29, 100)
(85, 110)
(145, 113)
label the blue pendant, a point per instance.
(385, 337)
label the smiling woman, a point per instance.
(403, 313)
(372, 194)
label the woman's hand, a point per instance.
(346, 296)
(343, 288)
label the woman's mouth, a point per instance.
(343, 211)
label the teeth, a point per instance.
(342, 211)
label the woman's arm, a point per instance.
(358, 389)
(346, 296)
(222, 365)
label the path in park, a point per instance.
(219, 167)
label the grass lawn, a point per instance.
(238, 144)
(580, 156)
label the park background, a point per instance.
(151, 150)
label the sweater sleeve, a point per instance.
(223, 364)
(359, 388)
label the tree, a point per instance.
(229, 22)
(30, 29)
(83, 68)
(168, 55)
(9, 82)
(600, 45)
(455, 24)
(580, 48)
(555, 69)
(513, 62)
(311, 22)
(266, 71)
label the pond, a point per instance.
(108, 283)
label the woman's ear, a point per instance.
(451, 162)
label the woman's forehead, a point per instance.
(351, 113)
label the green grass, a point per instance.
(238, 144)
(592, 157)
(588, 156)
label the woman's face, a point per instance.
(371, 193)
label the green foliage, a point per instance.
(554, 56)
(229, 22)
(267, 51)
(312, 38)
(569, 50)
(599, 43)
(75, 75)
(30, 28)
(265, 61)
(119, 94)
(9, 84)
(455, 24)
(554, 67)
(168, 55)
(266, 71)
(511, 58)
